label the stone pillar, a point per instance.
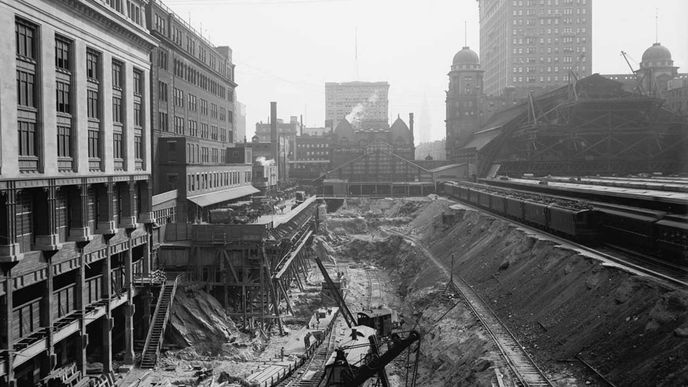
(145, 193)
(47, 317)
(128, 218)
(106, 223)
(108, 322)
(79, 230)
(9, 247)
(6, 337)
(47, 237)
(129, 308)
(82, 340)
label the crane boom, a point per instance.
(372, 367)
(638, 86)
(348, 316)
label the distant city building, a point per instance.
(286, 136)
(357, 101)
(76, 226)
(239, 122)
(193, 116)
(312, 158)
(434, 150)
(657, 76)
(534, 44)
(316, 131)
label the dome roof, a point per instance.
(466, 57)
(656, 54)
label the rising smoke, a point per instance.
(358, 112)
(263, 161)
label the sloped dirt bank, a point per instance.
(455, 349)
(562, 304)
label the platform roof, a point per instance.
(211, 198)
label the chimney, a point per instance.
(411, 128)
(274, 146)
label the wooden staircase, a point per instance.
(156, 332)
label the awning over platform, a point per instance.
(211, 198)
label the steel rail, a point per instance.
(515, 355)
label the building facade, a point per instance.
(192, 94)
(75, 189)
(356, 101)
(312, 156)
(239, 122)
(534, 44)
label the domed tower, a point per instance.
(463, 100)
(657, 69)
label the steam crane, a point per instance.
(359, 358)
(639, 84)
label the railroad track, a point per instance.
(639, 263)
(309, 374)
(521, 364)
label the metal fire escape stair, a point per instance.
(156, 333)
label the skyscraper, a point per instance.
(534, 44)
(356, 101)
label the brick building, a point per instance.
(75, 170)
(192, 90)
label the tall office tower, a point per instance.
(75, 192)
(534, 44)
(358, 102)
(193, 118)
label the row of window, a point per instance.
(199, 78)
(27, 52)
(543, 69)
(213, 61)
(210, 180)
(129, 8)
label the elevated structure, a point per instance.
(249, 267)
(588, 127)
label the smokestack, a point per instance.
(411, 127)
(274, 146)
(301, 131)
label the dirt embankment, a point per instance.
(455, 350)
(562, 304)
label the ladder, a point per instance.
(156, 332)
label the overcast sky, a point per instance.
(285, 50)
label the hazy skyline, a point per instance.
(285, 50)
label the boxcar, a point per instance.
(472, 196)
(624, 226)
(498, 204)
(484, 199)
(462, 192)
(535, 213)
(514, 208)
(672, 238)
(572, 223)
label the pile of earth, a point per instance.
(199, 324)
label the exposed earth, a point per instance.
(564, 307)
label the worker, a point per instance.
(282, 354)
(307, 340)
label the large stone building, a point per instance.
(192, 115)
(657, 76)
(357, 101)
(534, 44)
(75, 170)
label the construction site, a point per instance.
(475, 300)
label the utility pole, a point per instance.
(451, 272)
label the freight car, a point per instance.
(644, 230)
(568, 219)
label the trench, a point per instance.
(562, 306)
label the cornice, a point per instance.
(99, 13)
